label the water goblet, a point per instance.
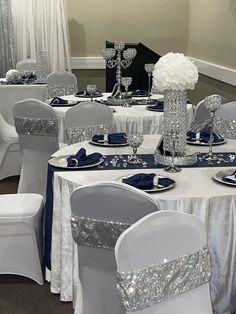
(149, 68)
(172, 168)
(134, 140)
(126, 82)
(91, 89)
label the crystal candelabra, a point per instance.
(212, 104)
(149, 68)
(109, 55)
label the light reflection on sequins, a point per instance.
(96, 233)
(156, 283)
(36, 126)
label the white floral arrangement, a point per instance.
(174, 71)
(13, 76)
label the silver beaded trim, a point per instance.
(36, 126)
(96, 233)
(151, 285)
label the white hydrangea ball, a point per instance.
(12, 75)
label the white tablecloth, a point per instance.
(126, 119)
(195, 193)
(10, 94)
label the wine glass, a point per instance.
(135, 140)
(149, 68)
(126, 82)
(91, 89)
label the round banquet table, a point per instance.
(195, 193)
(126, 120)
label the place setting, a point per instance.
(61, 102)
(90, 92)
(226, 176)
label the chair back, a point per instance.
(107, 209)
(61, 83)
(164, 253)
(26, 65)
(37, 128)
(86, 119)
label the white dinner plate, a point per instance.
(61, 162)
(223, 173)
(200, 143)
(156, 188)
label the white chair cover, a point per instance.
(37, 127)
(163, 237)
(61, 83)
(10, 156)
(103, 203)
(85, 119)
(225, 120)
(26, 65)
(21, 241)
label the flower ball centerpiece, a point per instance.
(173, 75)
(13, 76)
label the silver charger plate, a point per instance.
(152, 108)
(106, 144)
(61, 162)
(223, 173)
(155, 189)
(200, 143)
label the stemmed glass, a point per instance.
(149, 68)
(126, 82)
(172, 168)
(212, 103)
(134, 140)
(91, 89)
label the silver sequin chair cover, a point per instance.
(100, 212)
(61, 83)
(37, 127)
(158, 259)
(83, 120)
(225, 120)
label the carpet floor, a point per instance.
(20, 295)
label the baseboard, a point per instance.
(215, 71)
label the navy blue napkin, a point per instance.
(84, 93)
(144, 181)
(231, 178)
(58, 101)
(113, 138)
(139, 93)
(81, 159)
(205, 137)
(159, 105)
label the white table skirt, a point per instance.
(195, 193)
(126, 119)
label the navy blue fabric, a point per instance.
(144, 181)
(59, 101)
(231, 178)
(82, 158)
(139, 93)
(159, 105)
(113, 138)
(84, 93)
(205, 137)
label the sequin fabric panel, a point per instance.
(151, 285)
(35, 126)
(96, 233)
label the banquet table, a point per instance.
(195, 193)
(126, 120)
(10, 94)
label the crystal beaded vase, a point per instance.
(42, 66)
(175, 121)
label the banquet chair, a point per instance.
(225, 120)
(163, 265)
(37, 127)
(86, 119)
(26, 65)
(61, 83)
(100, 213)
(21, 235)
(10, 156)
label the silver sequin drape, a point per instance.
(7, 49)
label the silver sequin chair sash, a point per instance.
(36, 126)
(76, 134)
(96, 233)
(58, 90)
(153, 284)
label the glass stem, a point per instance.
(173, 152)
(211, 133)
(135, 152)
(149, 86)
(126, 94)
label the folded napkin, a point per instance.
(139, 92)
(144, 181)
(58, 101)
(84, 93)
(205, 136)
(231, 178)
(113, 138)
(81, 159)
(159, 105)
